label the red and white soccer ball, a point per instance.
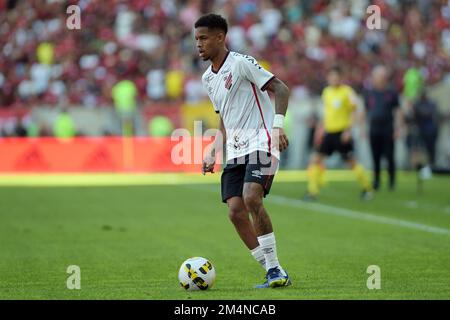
(196, 273)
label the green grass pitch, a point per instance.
(129, 237)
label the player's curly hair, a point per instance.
(212, 21)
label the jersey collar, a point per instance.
(224, 59)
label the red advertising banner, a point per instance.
(102, 154)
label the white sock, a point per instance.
(258, 254)
(268, 247)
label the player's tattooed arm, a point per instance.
(281, 92)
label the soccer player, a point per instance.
(237, 86)
(334, 134)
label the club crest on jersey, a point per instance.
(228, 81)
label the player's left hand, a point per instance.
(280, 139)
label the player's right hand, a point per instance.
(208, 164)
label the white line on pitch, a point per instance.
(353, 214)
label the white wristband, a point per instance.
(278, 121)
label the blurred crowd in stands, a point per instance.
(150, 43)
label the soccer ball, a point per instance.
(196, 273)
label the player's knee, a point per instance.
(237, 214)
(253, 202)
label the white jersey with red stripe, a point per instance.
(237, 92)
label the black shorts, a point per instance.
(258, 167)
(332, 142)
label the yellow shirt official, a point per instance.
(339, 104)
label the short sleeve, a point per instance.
(250, 70)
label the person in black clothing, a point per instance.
(382, 109)
(422, 120)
